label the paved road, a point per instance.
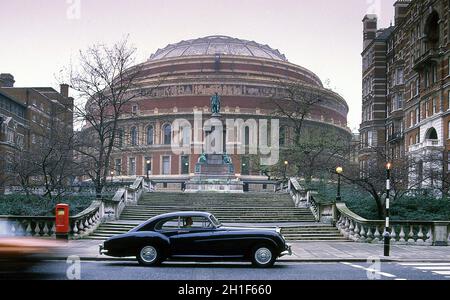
(126, 270)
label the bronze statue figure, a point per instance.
(215, 103)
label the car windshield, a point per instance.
(215, 221)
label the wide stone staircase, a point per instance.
(248, 209)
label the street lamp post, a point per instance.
(387, 235)
(286, 163)
(339, 171)
(148, 169)
(112, 175)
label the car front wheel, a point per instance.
(149, 255)
(263, 256)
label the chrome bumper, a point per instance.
(288, 251)
(101, 249)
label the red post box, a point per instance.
(62, 224)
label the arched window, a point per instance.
(150, 135)
(246, 136)
(186, 137)
(431, 134)
(432, 30)
(133, 136)
(167, 132)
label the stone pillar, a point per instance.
(440, 234)
(157, 133)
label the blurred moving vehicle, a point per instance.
(18, 254)
(196, 235)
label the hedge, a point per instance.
(406, 208)
(21, 205)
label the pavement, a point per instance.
(326, 251)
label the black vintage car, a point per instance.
(196, 235)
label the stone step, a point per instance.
(222, 218)
(225, 214)
(140, 207)
(248, 220)
(239, 209)
(219, 216)
(215, 204)
(244, 209)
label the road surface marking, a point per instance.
(370, 270)
(424, 264)
(442, 272)
(435, 268)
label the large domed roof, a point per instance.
(218, 44)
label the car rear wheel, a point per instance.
(149, 255)
(263, 256)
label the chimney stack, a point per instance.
(370, 22)
(64, 90)
(401, 9)
(6, 80)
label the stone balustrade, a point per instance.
(37, 226)
(87, 221)
(358, 229)
(81, 224)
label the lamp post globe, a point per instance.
(339, 171)
(286, 163)
(148, 168)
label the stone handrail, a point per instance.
(124, 196)
(303, 198)
(297, 193)
(87, 221)
(358, 229)
(313, 206)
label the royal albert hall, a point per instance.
(182, 77)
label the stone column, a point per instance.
(440, 234)
(157, 133)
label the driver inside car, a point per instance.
(188, 222)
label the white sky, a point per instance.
(40, 37)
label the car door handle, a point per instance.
(183, 231)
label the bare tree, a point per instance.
(319, 150)
(107, 81)
(308, 150)
(409, 175)
(294, 102)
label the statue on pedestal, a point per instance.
(202, 159)
(226, 159)
(215, 104)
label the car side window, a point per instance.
(196, 223)
(169, 224)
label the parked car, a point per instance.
(196, 235)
